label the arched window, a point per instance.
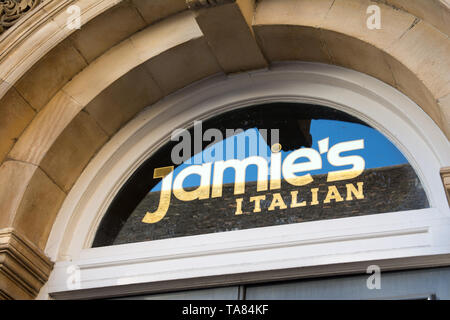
(259, 166)
(331, 171)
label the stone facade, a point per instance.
(52, 76)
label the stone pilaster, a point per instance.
(24, 269)
(445, 174)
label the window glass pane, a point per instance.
(427, 284)
(288, 163)
(225, 293)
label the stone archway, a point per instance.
(65, 94)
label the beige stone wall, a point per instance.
(64, 93)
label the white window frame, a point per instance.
(400, 239)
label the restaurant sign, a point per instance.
(293, 173)
(278, 164)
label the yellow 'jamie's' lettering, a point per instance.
(166, 173)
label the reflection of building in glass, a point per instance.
(330, 156)
(386, 189)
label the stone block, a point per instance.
(124, 99)
(350, 17)
(435, 12)
(234, 45)
(292, 12)
(15, 115)
(107, 30)
(43, 81)
(102, 72)
(14, 178)
(183, 65)
(288, 42)
(72, 150)
(38, 209)
(355, 54)
(426, 51)
(155, 10)
(45, 129)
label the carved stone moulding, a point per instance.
(445, 175)
(24, 269)
(201, 4)
(12, 10)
